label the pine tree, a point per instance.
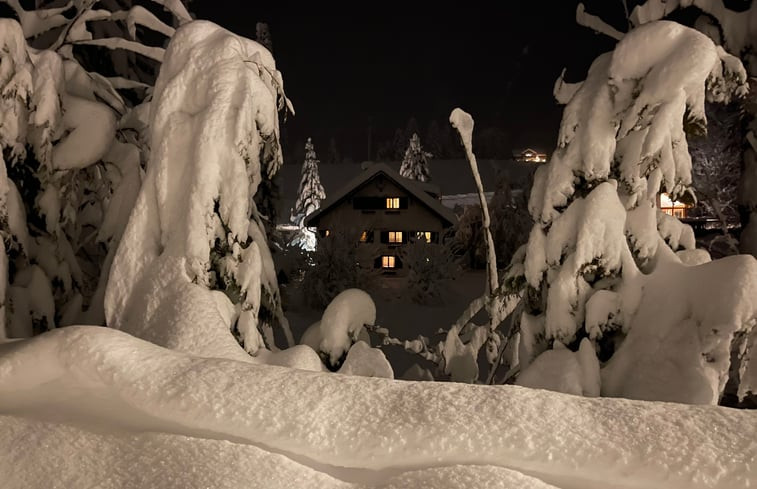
(311, 192)
(415, 164)
(433, 139)
(732, 28)
(599, 243)
(74, 200)
(263, 35)
(333, 155)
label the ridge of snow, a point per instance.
(372, 424)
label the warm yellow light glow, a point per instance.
(392, 202)
(395, 236)
(426, 235)
(387, 261)
(364, 237)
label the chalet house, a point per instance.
(529, 155)
(385, 211)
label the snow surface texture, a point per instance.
(214, 114)
(159, 417)
(597, 238)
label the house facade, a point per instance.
(384, 212)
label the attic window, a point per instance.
(388, 261)
(392, 202)
(423, 236)
(395, 237)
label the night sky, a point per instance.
(379, 64)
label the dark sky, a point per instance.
(380, 63)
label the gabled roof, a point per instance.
(416, 189)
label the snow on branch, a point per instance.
(564, 91)
(595, 23)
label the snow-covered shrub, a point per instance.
(431, 266)
(335, 266)
(622, 141)
(415, 162)
(215, 137)
(342, 325)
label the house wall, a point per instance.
(416, 217)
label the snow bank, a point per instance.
(562, 370)
(352, 428)
(679, 343)
(125, 460)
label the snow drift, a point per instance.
(106, 396)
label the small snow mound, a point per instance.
(562, 370)
(367, 362)
(342, 321)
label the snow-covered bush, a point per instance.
(415, 162)
(341, 326)
(599, 244)
(195, 228)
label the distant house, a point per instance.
(673, 207)
(385, 211)
(529, 155)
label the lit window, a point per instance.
(392, 202)
(423, 235)
(395, 236)
(325, 232)
(364, 237)
(387, 261)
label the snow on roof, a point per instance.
(381, 168)
(451, 177)
(105, 409)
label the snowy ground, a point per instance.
(133, 414)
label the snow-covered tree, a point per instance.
(263, 35)
(333, 156)
(310, 193)
(735, 30)
(73, 149)
(716, 168)
(511, 222)
(415, 162)
(309, 196)
(195, 238)
(600, 247)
